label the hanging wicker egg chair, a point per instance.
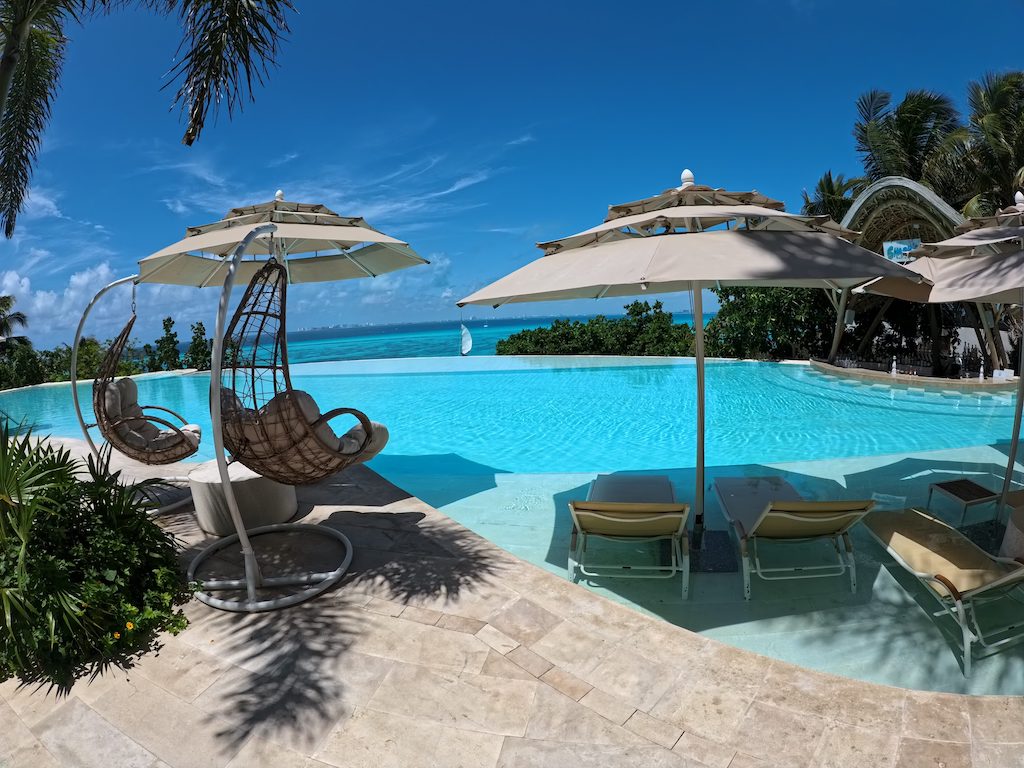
(126, 426)
(270, 427)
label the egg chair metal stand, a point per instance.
(111, 425)
(264, 374)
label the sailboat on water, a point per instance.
(467, 340)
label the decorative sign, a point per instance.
(896, 250)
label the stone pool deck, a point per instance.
(440, 649)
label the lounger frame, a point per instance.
(962, 608)
(844, 563)
(680, 549)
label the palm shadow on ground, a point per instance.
(298, 672)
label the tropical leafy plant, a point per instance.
(645, 330)
(771, 323)
(86, 578)
(996, 128)
(226, 50)
(199, 349)
(168, 357)
(833, 196)
(11, 321)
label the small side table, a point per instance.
(963, 491)
(261, 501)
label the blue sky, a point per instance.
(470, 130)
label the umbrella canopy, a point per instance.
(629, 258)
(328, 246)
(983, 263)
(672, 262)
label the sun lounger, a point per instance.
(958, 573)
(770, 508)
(630, 508)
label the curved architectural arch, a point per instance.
(897, 208)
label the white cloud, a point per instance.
(469, 180)
(283, 159)
(526, 138)
(175, 206)
(42, 204)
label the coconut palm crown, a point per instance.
(226, 50)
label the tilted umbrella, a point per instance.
(983, 262)
(663, 244)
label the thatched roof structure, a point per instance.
(896, 208)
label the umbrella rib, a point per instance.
(353, 259)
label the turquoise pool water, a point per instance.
(538, 415)
(502, 444)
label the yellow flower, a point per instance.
(117, 635)
(129, 625)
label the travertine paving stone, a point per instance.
(75, 735)
(556, 717)
(936, 716)
(372, 739)
(534, 664)
(421, 615)
(918, 753)
(524, 621)
(608, 706)
(777, 734)
(441, 650)
(468, 701)
(565, 683)
(653, 730)
(496, 639)
(844, 747)
(704, 751)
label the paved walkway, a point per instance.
(443, 650)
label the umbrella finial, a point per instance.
(279, 195)
(686, 177)
(1018, 197)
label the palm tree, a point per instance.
(996, 127)
(920, 138)
(833, 196)
(226, 49)
(10, 321)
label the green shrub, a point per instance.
(645, 330)
(86, 578)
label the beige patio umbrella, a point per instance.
(672, 250)
(315, 245)
(983, 263)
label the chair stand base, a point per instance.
(317, 582)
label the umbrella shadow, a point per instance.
(438, 479)
(811, 620)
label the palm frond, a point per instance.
(27, 112)
(227, 49)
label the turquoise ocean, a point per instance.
(434, 339)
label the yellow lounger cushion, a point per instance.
(930, 546)
(627, 519)
(809, 519)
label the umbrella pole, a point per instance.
(1018, 406)
(698, 482)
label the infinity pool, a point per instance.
(502, 444)
(568, 414)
